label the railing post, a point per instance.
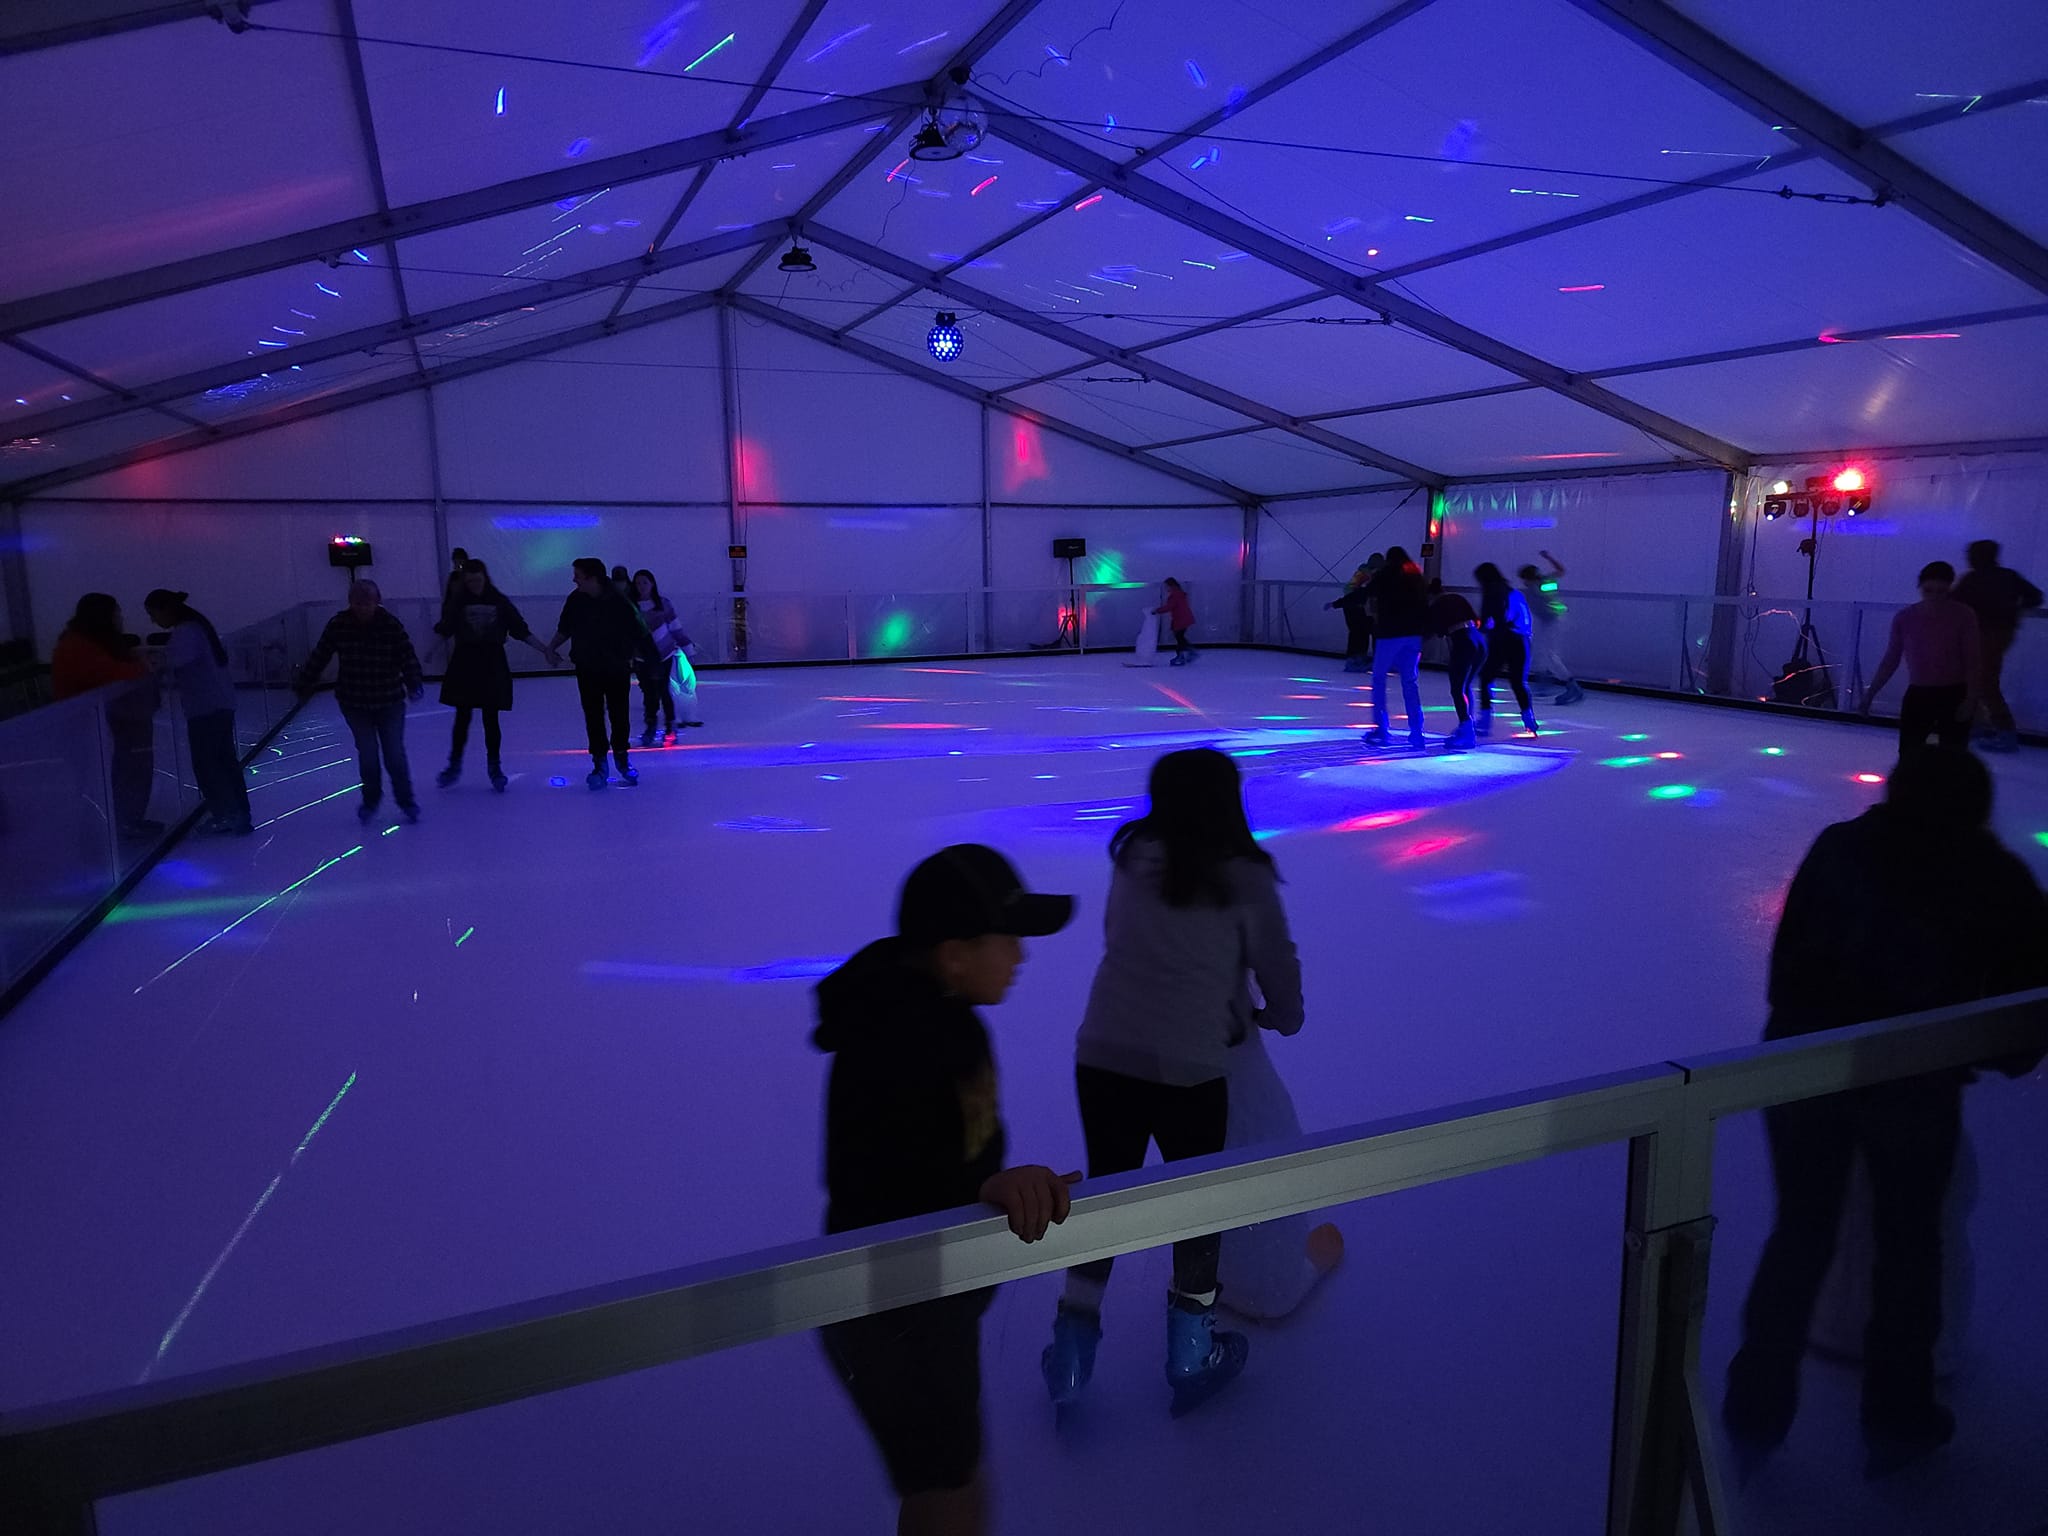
(1855, 658)
(1663, 1446)
(852, 649)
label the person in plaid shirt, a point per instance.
(379, 671)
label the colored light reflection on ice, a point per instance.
(1430, 846)
(1674, 792)
(1670, 757)
(1637, 736)
(2041, 838)
(1625, 762)
(1376, 821)
(1869, 778)
(1772, 751)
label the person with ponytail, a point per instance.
(198, 665)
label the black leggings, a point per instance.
(458, 739)
(1468, 655)
(1120, 1115)
(607, 693)
(1507, 655)
(1933, 712)
(655, 694)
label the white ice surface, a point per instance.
(560, 1037)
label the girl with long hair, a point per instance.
(1194, 919)
(476, 621)
(1505, 619)
(198, 665)
(657, 687)
(1400, 616)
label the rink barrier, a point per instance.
(55, 1461)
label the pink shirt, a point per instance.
(1939, 642)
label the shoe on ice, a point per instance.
(1069, 1360)
(596, 779)
(1572, 694)
(448, 775)
(1463, 739)
(649, 736)
(1200, 1362)
(630, 777)
(1529, 721)
(498, 779)
(1483, 722)
(1377, 737)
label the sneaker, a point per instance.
(596, 779)
(498, 779)
(410, 812)
(630, 777)
(448, 775)
(649, 736)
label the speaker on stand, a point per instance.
(1069, 634)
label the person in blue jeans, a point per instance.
(1400, 618)
(198, 665)
(379, 672)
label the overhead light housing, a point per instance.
(929, 143)
(944, 340)
(797, 259)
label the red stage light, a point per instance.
(1851, 480)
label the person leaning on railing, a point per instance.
(198, 664)
(93, 652)
(1914, 905)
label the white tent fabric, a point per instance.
(1277, 249)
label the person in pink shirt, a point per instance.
(1938, 640)
(1180, 618)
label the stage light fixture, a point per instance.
(1851, 479)
(1781, 487)
(797, 259)
(932, 143)
(1775, 507)
(944, 340)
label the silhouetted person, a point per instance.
(1400, 608)
(1506, 621)
(609, 639)
(1356, 606)
(1914, 905)
(1997, 595)
(378, 672)
(198, 664)
(94, 652)
(477, 621)
(1451, 616)
(458, 562)
(1938, 641)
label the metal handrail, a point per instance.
(56, 1460)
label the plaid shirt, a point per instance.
(378, 664)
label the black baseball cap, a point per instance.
(969, 890)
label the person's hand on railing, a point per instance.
(1032, 1196)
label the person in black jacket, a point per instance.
(476, 621)
(1914, 905)
(1451, 616)
(1998, 595)
(1400, 616)
(1356, 605)
(913, 1126)
(609, 640)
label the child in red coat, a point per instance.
(1180, 618)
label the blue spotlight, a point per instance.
(945, 341)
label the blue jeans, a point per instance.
(381, 732)
(1402, 654)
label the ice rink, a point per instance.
(335, 1079)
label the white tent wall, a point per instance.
(1924, 509)
(1657, 533)
(1323, 541)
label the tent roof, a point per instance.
(1272, 249)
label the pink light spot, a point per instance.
(1535, 456)
(1924, 336)
(975, 191)
(1375, 821)
(1432, 845)
(1832, 341)
(1583, 288)
(1670, 756)
(946, 671)
(917, 725)
(1304, 695)
(1869, 778)
(897, 169)
(1088, 202)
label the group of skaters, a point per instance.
(618, 628)
(1914, 905)
(1390, 611)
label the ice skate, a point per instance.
(1069, 1360)
(1529, 721)
(447, 776)
(1463, 739)
(596, 779)
(498, 779)
(1200, 1362)
(1483, 722)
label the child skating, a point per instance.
(1180, 618)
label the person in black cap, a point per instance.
(913, 1126)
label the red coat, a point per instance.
(1180, 615)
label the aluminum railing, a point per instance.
(56, 1461)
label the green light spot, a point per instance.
(1673, 792)
(895, 632)
(465, 934)
(1774, 751)
(1549, 586)
(1637, 736)
(389, 830)
(1624, 762)
(1283, 717)
(2041, 838)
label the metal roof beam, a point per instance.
(369, 338)
(1690, 48)
(446, 212)
(27, 25)
(804, 326)
(1287, 257)
(1102, 351)
(446, 373)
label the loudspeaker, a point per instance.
(1069, 549)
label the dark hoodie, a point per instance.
(912, 1124)
(1888, 916)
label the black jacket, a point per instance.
(1886, 918)
(1400, 602)
(606, 632)
(911, 1119)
